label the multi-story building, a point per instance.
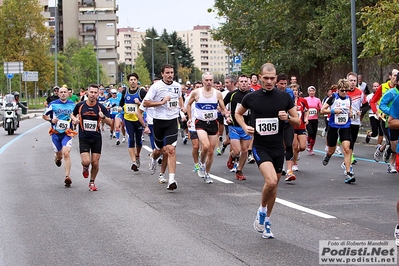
(130, 42)
(94, 22)
(209, 54)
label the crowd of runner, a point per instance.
(260, 118)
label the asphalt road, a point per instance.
(134, 220)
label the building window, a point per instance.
(111, 63)
(110, 25)
(110, 37)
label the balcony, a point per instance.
(92, 16)
(107, 55)
(87, 4)
(87, 32)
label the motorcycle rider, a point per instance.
(19, 104)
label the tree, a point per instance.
(142, 70)
(294, 35)
(84, 66)
(180, 54)
(381, 37)
(24, 37)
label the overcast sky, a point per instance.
(173, 15)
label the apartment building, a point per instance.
(130, 42)
(94, 22)
(209, 54)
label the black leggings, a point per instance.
(376, 128)
(288, 139)
(311, 127)
(354, 133)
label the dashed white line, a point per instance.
(218, 178)
(150, 150)
(281, 201)
(304, 209)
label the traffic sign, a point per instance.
(10, 76)
(30, 76)
(237, 59)
(13, 67)
(236, 68)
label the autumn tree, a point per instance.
(381, 37)
(24, 37)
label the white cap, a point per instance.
(114, 91)
(188, 83)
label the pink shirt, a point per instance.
(314, 107)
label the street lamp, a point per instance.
(152, 56)
(131, 56)
(167, 50)
(55, 44)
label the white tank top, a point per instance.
(206, 108)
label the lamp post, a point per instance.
(98, 63)
(152, 56)
(131, 55)
(167, 50)
(55, 45)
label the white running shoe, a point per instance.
(295, 168)
(201, 171)
(162, 179)
(377, 153)
(396, 234)
(123, 140)
(259, 223)
(208, 179)
(391, 169)
(338, 150)
(153, 166)
(234, 169)
(267, 233)
(172, 185)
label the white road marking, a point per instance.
(218, 178)
(304, 209)
(281, 201)
(150, 150)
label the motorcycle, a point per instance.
(10, 119)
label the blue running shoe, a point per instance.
(350, 177)
(259, 223)
(267, 233)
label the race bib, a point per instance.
(312, 111)
(172, 103)
(89, 125)
(114, 109)
(131, 108)
(341, 119)
(209, 115)
(62, 125)
(266, 126)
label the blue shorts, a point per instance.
(120, 116)
(238, 133)
(61, 140)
